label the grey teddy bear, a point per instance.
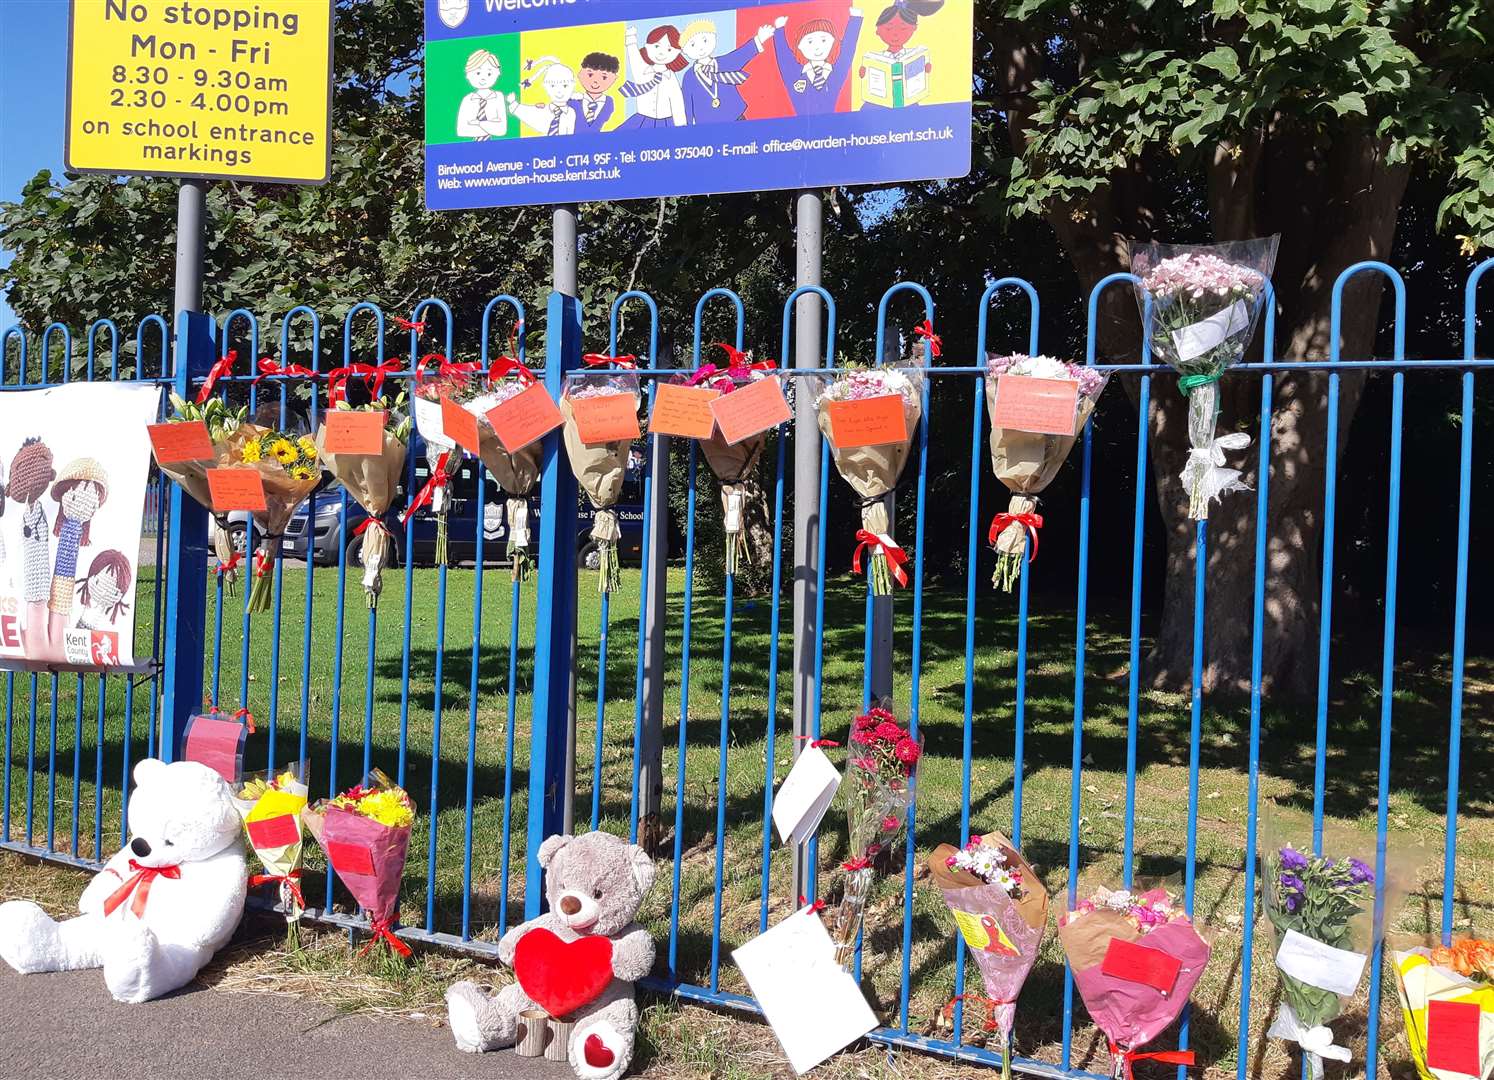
(595, 884)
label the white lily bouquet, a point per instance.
(1200, 304)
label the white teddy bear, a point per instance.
(162, 906)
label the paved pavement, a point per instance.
(65, 1026)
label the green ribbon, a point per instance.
(1187, 383)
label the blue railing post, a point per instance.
(555, 610)
(186, 561)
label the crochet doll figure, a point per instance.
(31, 473)
(80, 490)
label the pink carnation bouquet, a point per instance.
(882, 761)
(1201, 304)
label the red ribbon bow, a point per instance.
(438, 479)
(406, 324)
(231, 565)
(246, 716)
(373, 376)
(291, 882)
(445, 368)
(596, 359)
(1031, 522)
(264, 562)
(507, 365)
(268, 367)
(818, 905)
(817, 743)
(221, 367)
(860, 862)
(896, 556)
(926, 331)
(1167, 1057)
(739, 368)
(384, 929)
(371, 523)
(139, 884)
(989, 1002)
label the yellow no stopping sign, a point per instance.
(224, 89)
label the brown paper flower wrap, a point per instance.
(1027, 462)
(286, 488)
(601, 468)
(192, 475)
(372, 481)
(1004, 933)
(517, 473)
(873, 471)
(436, 377)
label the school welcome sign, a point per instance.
(544, 101)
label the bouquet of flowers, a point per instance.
(883, 759)
(1321, 910)
(873, 471)
(1027, 461)
(271, 803)
(373, 481)
(1001, 910)
(1447, 999)
(1135, 957)
(288, 466)
(221, 421)
(1200, 305)
(365, 832)
(516, 472)
(732, 463)
(600, 468)
(459, 384)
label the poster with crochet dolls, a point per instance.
(74, 467)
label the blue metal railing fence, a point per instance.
(531, 654)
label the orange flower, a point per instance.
(1467, 956)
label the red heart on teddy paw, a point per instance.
(596, 1053)
(561, 976)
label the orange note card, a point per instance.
(351, 432)
(528, 415)
(459, 425)
(683, 410)
(184, 441)
(236, 489)
(873, 421)
(606, 418)
(750, 409)
(1043, 406)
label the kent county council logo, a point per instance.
(452, 12)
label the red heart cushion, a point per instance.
(561, 976)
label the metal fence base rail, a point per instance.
(577, 728)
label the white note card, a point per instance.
(1198, 338)
(1320, 965)
(814, 1007)
(807, 792)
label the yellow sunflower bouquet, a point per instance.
(290, 470)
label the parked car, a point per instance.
(318, 525)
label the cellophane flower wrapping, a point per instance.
(270, 802)
(221, 421)
(732, 463)
(873, 471)
(1027, 461)
(1000, 909)
(372, 480)
(459, 386)
(1204, 304)
(1131, 1013)
(1460, 974)
(1327, 895)
(600, 468)
(881, 762)
(516, 473)
(365, 833)
(290, 469)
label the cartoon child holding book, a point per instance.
(897, 75)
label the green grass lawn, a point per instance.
(360, 719)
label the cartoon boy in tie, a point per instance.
(593, 106)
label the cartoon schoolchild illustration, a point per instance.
(556, 117)
(654, 86)
(594, 105)
(710, 86)
(104, 590)
(811, 69)
(898, 75)
(31, 473)
(81, 488)
(481, 115)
